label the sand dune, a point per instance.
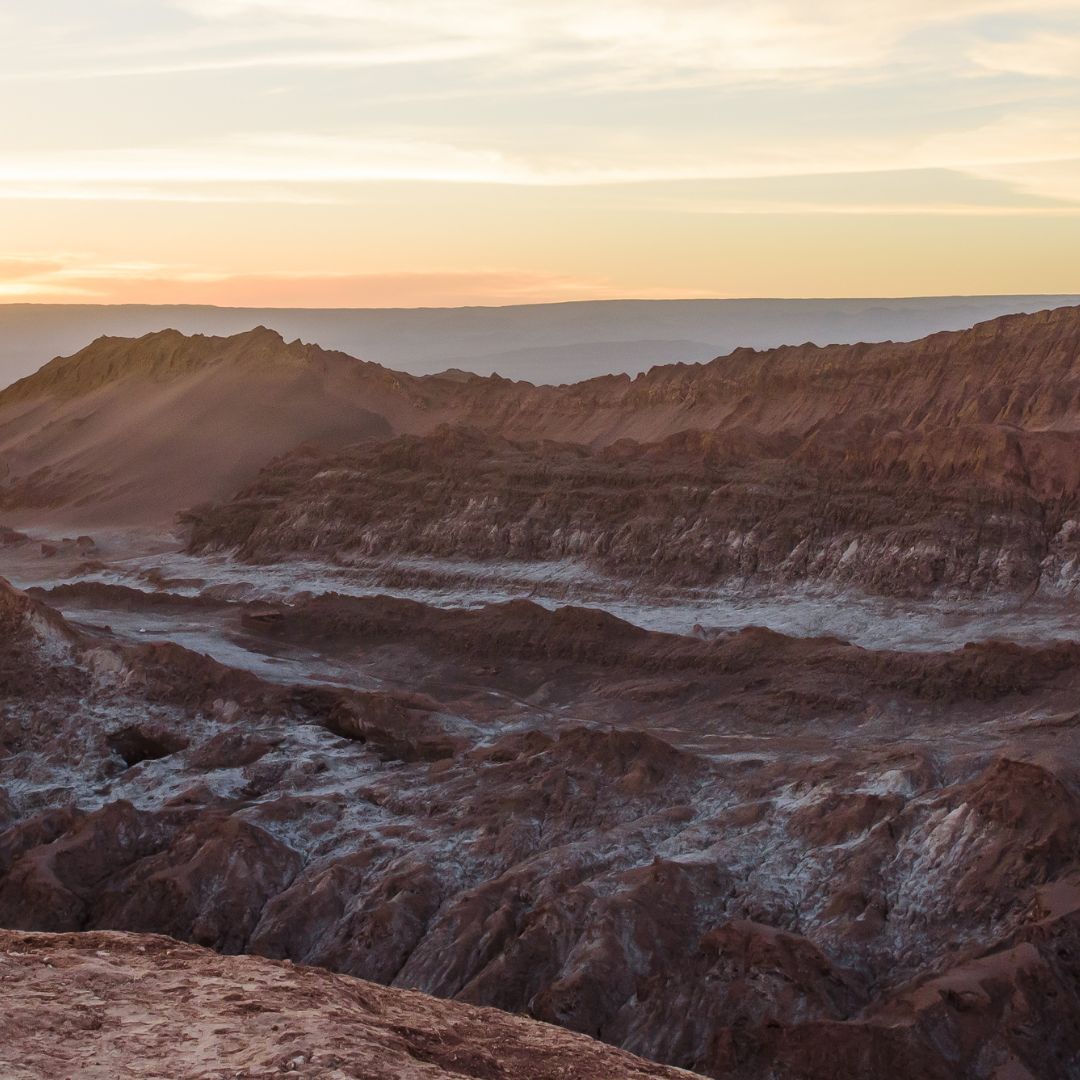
(130, 433)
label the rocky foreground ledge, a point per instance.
(106, 1005)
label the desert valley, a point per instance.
(540, 540)
(720, 718)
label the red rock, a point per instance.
(75, 999)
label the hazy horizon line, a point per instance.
(1063, 294)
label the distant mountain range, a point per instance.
(544, 343)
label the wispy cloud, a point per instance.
(194, 194)
(327, 59)
(14, 268)
(644, 42)
(1043, 55)
(81, 278)
(610, 44)
(1023, 151)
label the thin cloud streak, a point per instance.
(118, 193)
(327, 59)
(1043, 55)
(1021, 144)
(613, 45)
(627, 44)
(161, 284)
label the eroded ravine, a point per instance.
(707, 852)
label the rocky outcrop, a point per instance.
(497, 635)
(698, 509)
(105, 1005)
(947, 465)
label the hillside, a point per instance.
(132, 430)
(801, 464)
(140, 429)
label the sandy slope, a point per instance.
(115, 441)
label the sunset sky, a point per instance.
(415, 152)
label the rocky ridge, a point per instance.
(128, 431)
(942, 466)
(148, 426)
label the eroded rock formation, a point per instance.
(948, 465)
(697, 509)
(821, 862)
(745, 854)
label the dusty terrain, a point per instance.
(111, 1006)
(372, 707)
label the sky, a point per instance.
(359, 153)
